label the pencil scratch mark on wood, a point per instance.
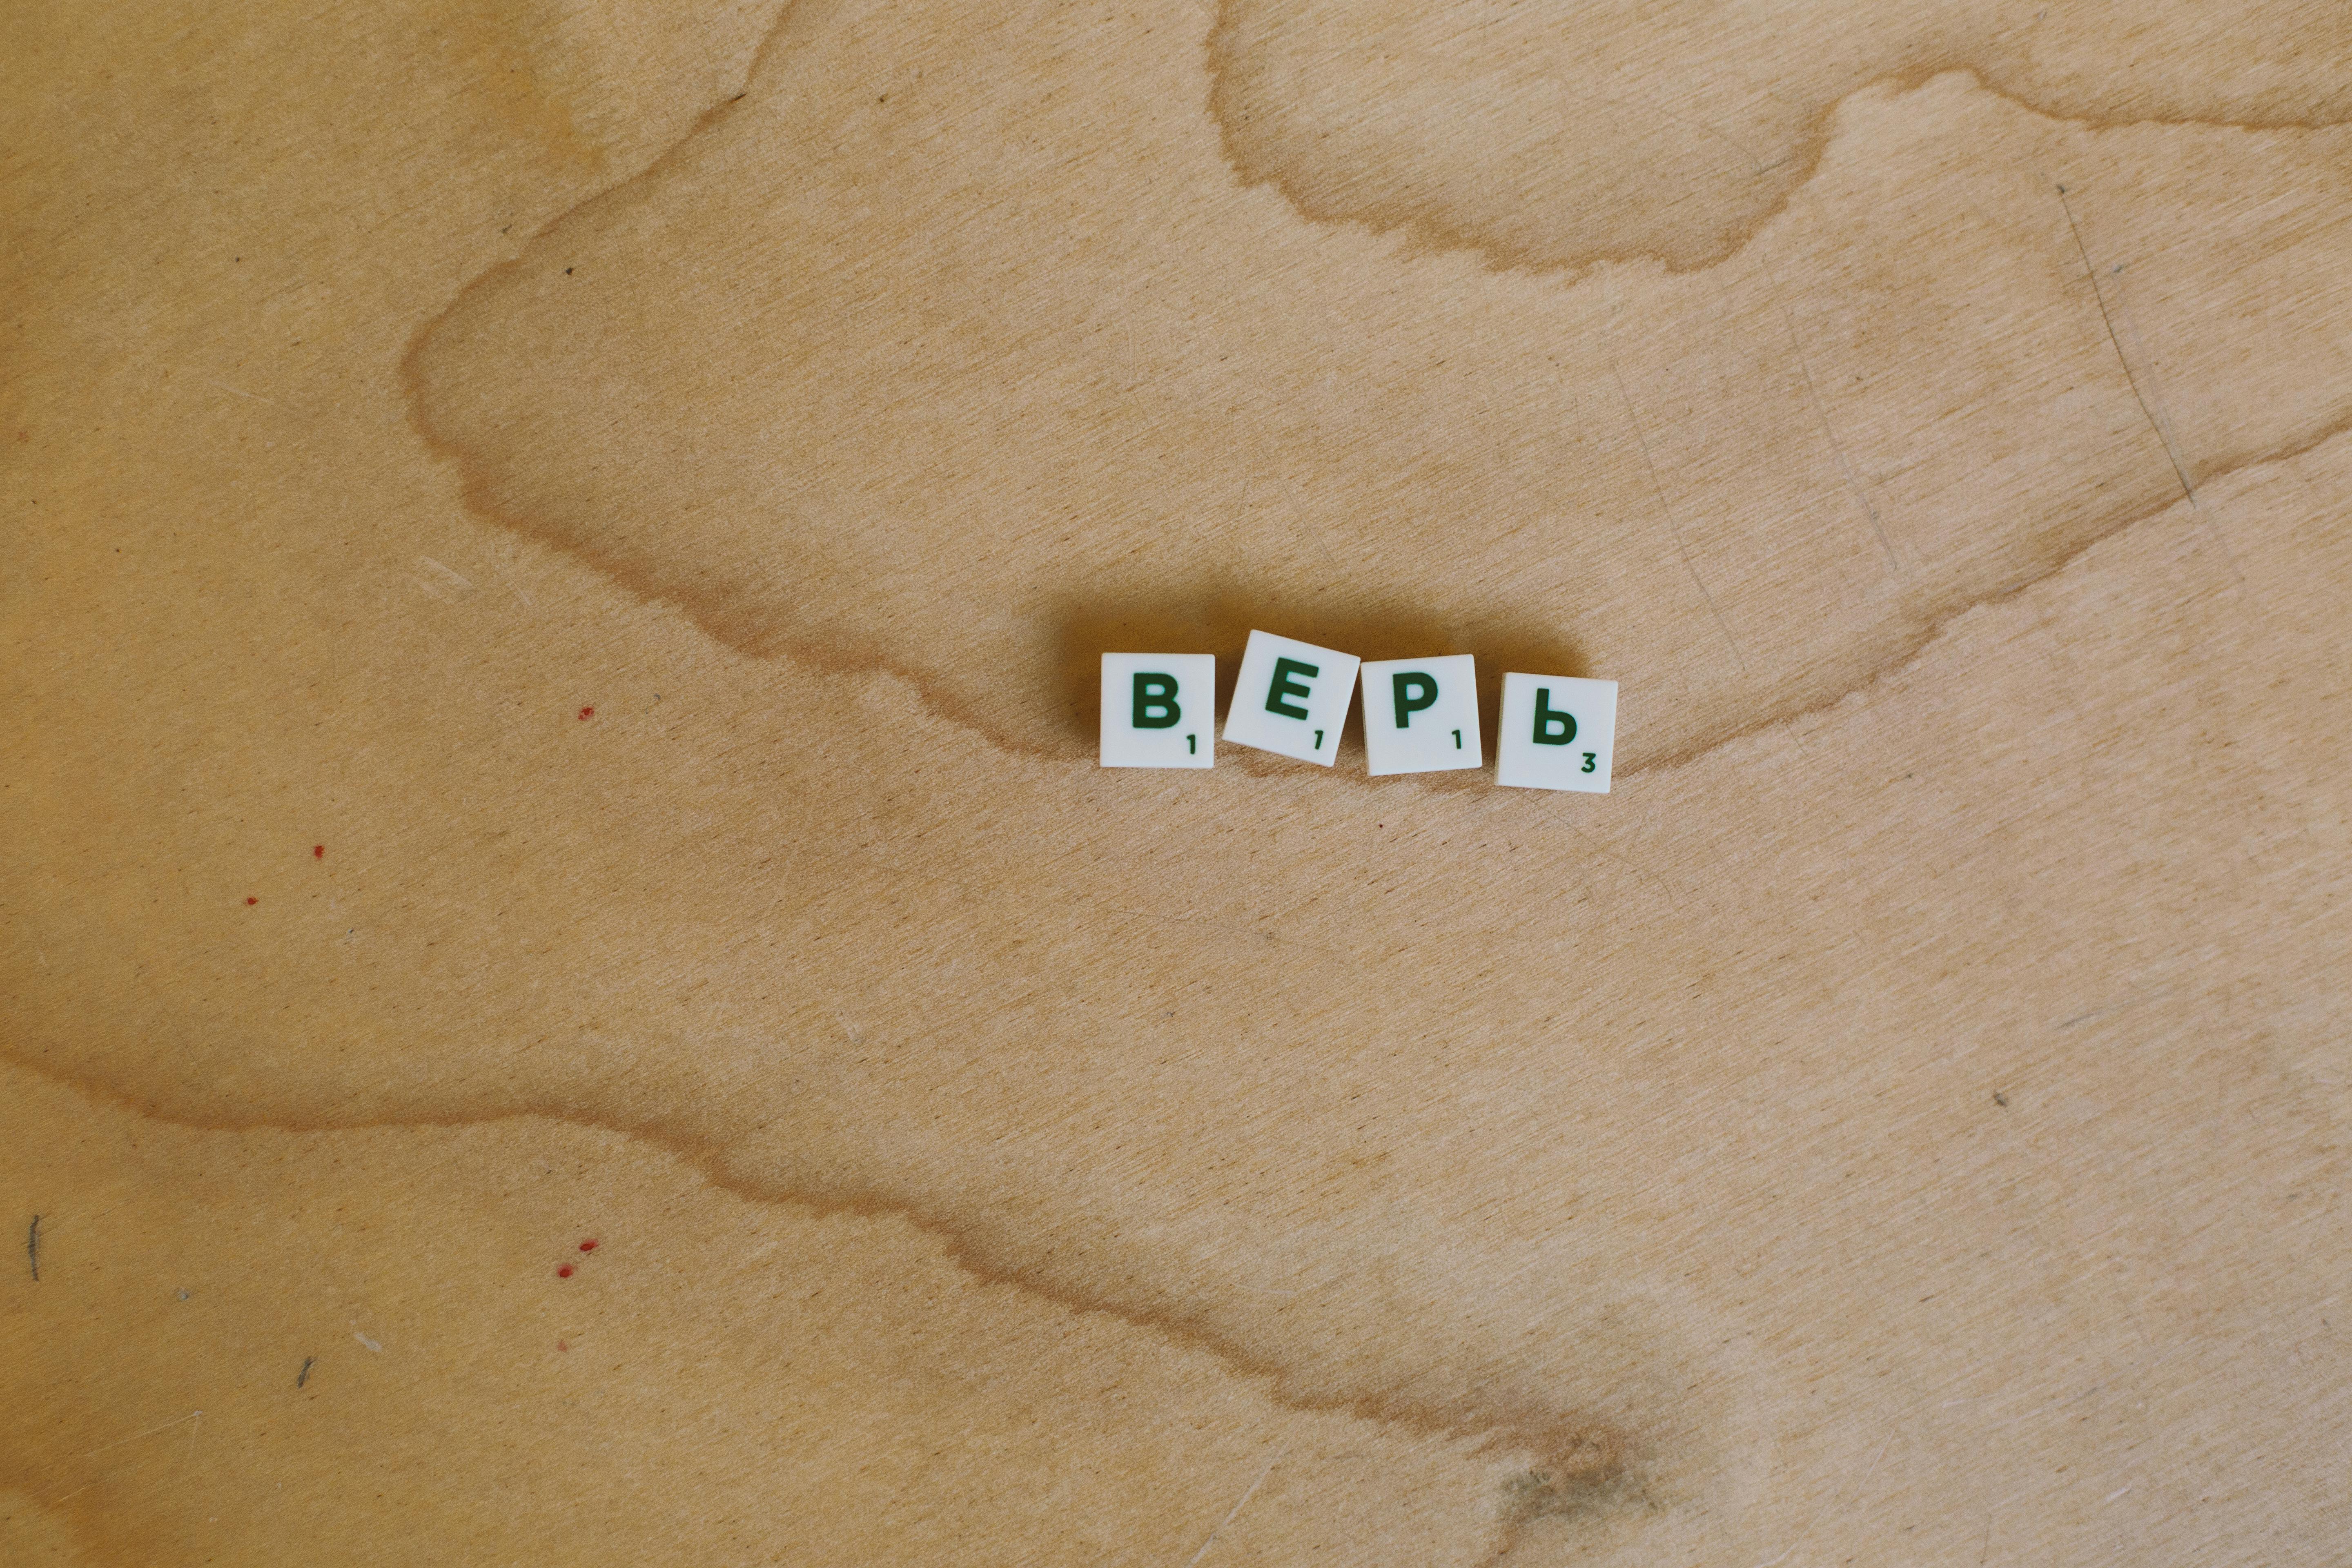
(191, 1418)
(2102, 1012)
(1820, 412)
(1234, 1511)
(1834, 1498)
(238, 392)
(1943, 623)
(1658, 490)
(2141, 393)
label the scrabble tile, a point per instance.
(1291, 699)
(1556, 732)
(1421, 715)
(1158, 710)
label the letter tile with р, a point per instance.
(1421, 715)
(1158, 710)
(1557, 732)
(1291, 699)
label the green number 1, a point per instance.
(1458, 739)
(1192, 746)
(1318, 740)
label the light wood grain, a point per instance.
(556, 557)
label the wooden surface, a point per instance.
(556, 557)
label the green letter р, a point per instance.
(1414, 692)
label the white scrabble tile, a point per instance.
(1557, 732)
(1291, 699)
(1158, 710)
(1421, 715)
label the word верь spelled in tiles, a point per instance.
(1421, 715)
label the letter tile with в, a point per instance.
(1158, 710)
(1421, 715)
(1555, 732)
(1291, 699)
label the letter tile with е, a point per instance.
(1291, 699)
(1556, 732)
(1158, 710)
(1421, 715)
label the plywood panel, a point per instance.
(557, 556)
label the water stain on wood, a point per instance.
(955, 415)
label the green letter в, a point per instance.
(1155, 702)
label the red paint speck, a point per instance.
(253, 900)
(588, 1247)
(587, 713)
(564, 1272)
(317, 852)
(562, 1346)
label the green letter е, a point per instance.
(1283, 686)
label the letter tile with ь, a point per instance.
(1555, 732)
(1158, 710)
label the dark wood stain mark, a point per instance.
(1564, 1443)
(1251, 116)
(738, 617)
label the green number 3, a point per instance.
(1588, 763)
